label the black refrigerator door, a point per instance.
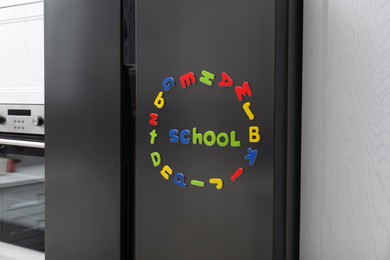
(210, 129)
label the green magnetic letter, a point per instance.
(196, 137)
(233, 141)
(207, 78)
(156, 159)
(225, 139)
(197, 183)
(209, 142)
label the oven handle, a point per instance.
(31, 144)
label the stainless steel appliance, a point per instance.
(22, 175)
(90, 168)
(22, 119)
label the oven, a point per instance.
(22, 175)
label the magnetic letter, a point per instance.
(245, 90)
(166, 172)
(168, 83)
(159, 101)
(213, 138)
(153, 136)
(226, 81)
(248, 111)
(153, 119)
(197, 183)
(207, 78)
(183, 138)
(173, 134)
(251, 157)
(225, 139)
(156, 159)
(254, 136)
(233, 141)
(218, 182)
(179, 180)
(237, 174)
(196, 137)
(187, 80)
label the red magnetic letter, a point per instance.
(245, 90)
(226, 81)
(237, 174)
(187, 80)
(153, 119)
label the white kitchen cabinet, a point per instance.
(21, 52)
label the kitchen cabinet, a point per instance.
(21, 52)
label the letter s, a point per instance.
(173, 134)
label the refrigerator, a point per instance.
(172, 129)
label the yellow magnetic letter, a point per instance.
(159, 101)
(166, 171)
(218, 182)
(248, 111)
(254, 135)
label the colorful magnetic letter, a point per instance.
(245, 90)
(254, 136)
(159, 101)
(156, 159)
(251, 157)
(233, 141)
(197, 183)
(237, 174)
(206, 140)
(207, 78)
(153, 119)
(166, 171)
(168, 83)
(183, 138)
(218, 182)
(226, 81)
(173, 134)
(153, 136)
(225, 139)
(248, 111)
(179, 180)
(187, 80)
(196, 137)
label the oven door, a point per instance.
(22, 193)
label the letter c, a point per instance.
(183, 135)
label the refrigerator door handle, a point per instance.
(31, 144)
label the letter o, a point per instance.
(206, 140)
(225, 141)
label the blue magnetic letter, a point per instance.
(183, 139)
(179, 180)
(168, 83)
(251, 157)
(173, 134)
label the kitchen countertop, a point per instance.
(23, 176)
(11, 252)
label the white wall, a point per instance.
(21, 51)
(345, 199)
